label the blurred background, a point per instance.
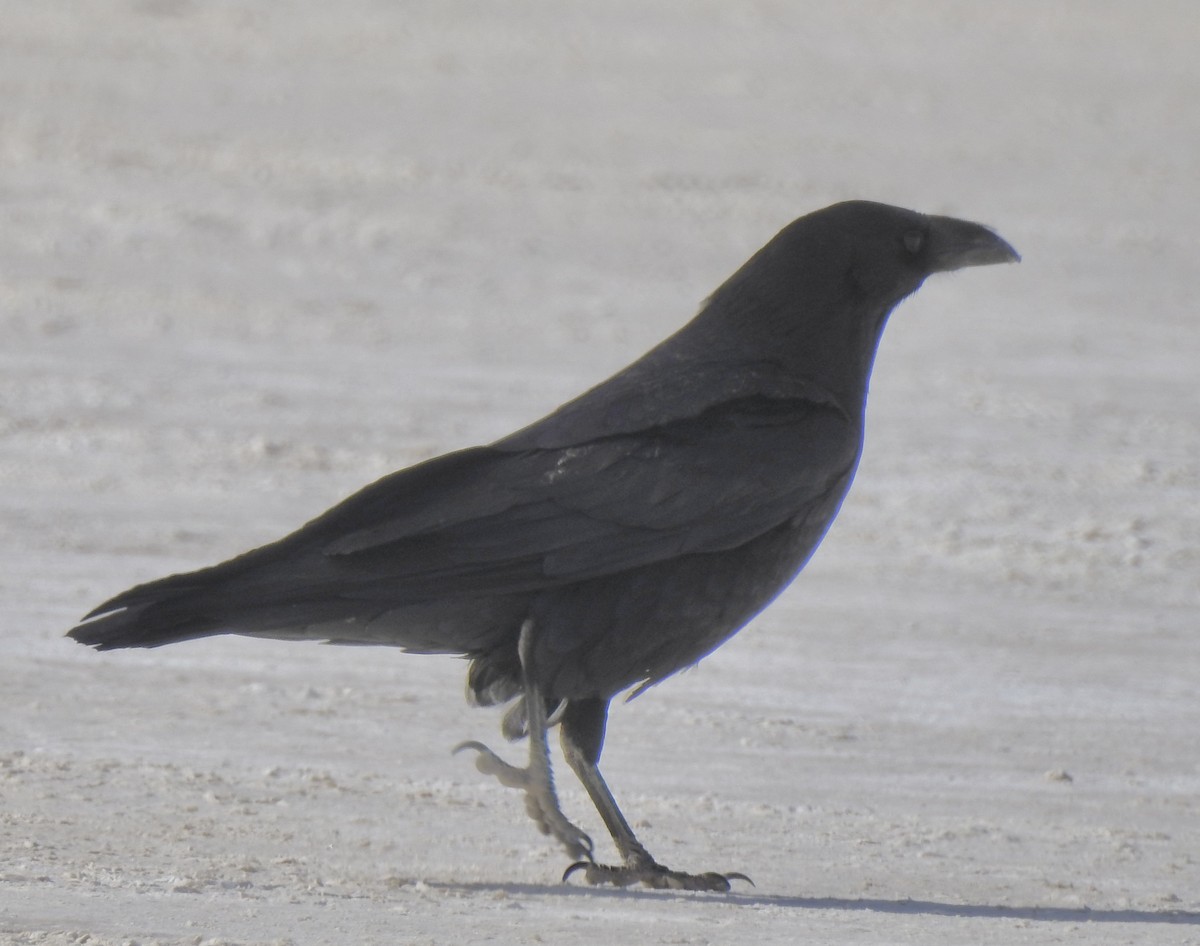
(253, 256)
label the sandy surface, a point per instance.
(253, 256)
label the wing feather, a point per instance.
(506, 522)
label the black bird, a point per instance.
(616, 541)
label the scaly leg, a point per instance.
(536, 780)
(582, 734)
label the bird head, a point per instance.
(816, 297)
(889, 251)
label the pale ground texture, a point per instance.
(255, 255)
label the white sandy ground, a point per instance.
(253, 256)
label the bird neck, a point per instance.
(824, 345)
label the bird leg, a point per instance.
(536, 780)
(581, 735)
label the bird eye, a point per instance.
(913, 241)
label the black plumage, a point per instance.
(617, 540)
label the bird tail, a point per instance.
(246, 595)
(150, 615)
(138, 627)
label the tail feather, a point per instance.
(215, 601)
(150, 624)
(152, 614)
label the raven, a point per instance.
(617, 540)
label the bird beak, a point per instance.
(956, 244)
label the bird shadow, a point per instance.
(901, 907)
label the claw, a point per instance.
(489, 763)
(578, 843)
(578, 865)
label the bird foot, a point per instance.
(541, 804)
(652, 874)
